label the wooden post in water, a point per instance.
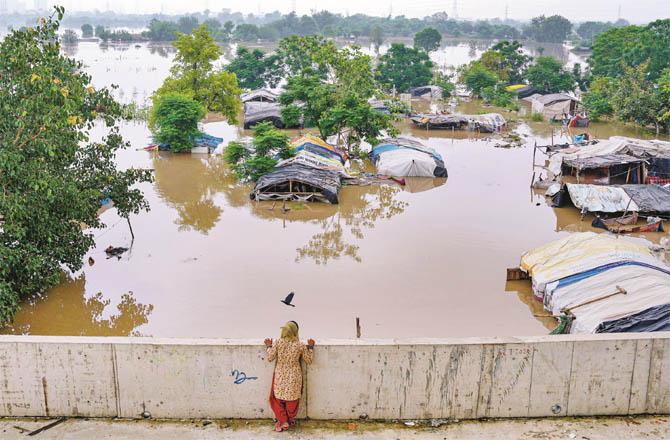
(358, 327)
(132, 234)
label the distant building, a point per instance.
(41, 5)
(4, 7)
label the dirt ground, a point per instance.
(610, 428)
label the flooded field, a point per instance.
(424, 260)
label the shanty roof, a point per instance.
(649, 199)
(263, 95)
(433, 91)
(406, 157)
(550, 98)
(255, 111)
(328, 182)
(642, 149)
(583, 273)
(608, 160)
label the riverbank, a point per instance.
(610, 428)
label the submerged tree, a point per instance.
(193, 74)
(53, 176)
(404, 67)
(428, 39)
(174, 121)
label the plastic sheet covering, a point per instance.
(649, 198)
(605, 161)
(255, 112)
(274, 185)
(407, 158)
(579, 253)
(597, 198)
(310, 159)
(653, 319)
(426, 92)
(488, 122)
(318, 146)
(259, 95)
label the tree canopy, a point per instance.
(428, 39)
(254, 69)
(554, 29)
(54, 177)
(404, 67)
(548, 76)
(174, 121)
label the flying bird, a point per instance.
(288, 299)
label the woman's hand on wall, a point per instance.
(268, 342)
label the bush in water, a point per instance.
(174, 121)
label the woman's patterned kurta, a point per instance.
(288, 373)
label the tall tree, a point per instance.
(193, 74)
(554, 29)
(404, 67)
(428, 39)
(254, 69)
(549, 76)
(86, 30)
(53, 176)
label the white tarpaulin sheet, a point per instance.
(578, 253)
(406, 162)
(596, 198)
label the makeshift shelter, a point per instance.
(203, 143)
(426, 92)
(259, 95)
(601, 283)
(379, 106)
(319, 147)
(487, 123)
(654, 153)
(255, 112)
(300, 182)
(643, 199)
(521, 90)
(552, 106)
(401, 157)
(604, 170)
(432, 121)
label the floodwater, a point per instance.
(424, 260)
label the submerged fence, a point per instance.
(388, 379)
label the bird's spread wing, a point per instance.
(289, 297)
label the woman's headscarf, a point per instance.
(290, 331)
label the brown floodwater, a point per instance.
(424, 260)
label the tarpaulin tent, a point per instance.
(604, 170)
(255, 112)
(487, 122)
(402, 157)
(259, 95)
(644, 199)
(432, 92)
(318, 146)
(553, 105)
(653, 319)
(432, 121)
(310, 159)
(298, 182)
(596, 279)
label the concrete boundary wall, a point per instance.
(385, 379)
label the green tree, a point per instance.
(639, 100)
(554, 29)
(86, 30)
(428, 39)
(477, 77)
(377, 37)
(53, 175)
(193, 75)
(404, 67)
(69, 37)
(513, 61)
(161, 30)
(246, 32)
(598, 100)
(187, 24)
(548, 75)
(254, 69)
(302, 53)
(174, 121)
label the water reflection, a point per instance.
(188, 184)
(67, 311)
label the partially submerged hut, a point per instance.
(297, 181)
(485, 123)
(402, 157)
(553, 106)
(426, 92)
(599, 284)
(262, 111)
(259, 95)
(643, 199)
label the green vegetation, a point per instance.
(267, 142)
(254, 69)
(554, 29)
(86, 30)
(193, 75)
(630, 72)
(174, 121)
(428, 39)
(69, 37)
(477, 77)
(404, 67)
(548, 76)
(53, 176)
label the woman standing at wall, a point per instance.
(287, 378)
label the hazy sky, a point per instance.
(576, 10)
